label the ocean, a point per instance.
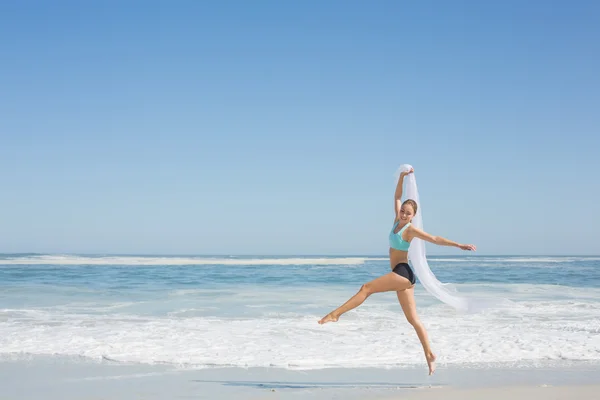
(205, 312)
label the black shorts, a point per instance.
(403, 269)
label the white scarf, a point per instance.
(416, 255)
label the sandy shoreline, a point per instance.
(583, 392)
(56, 378)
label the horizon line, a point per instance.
(470, 254)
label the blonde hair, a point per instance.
(412, 203)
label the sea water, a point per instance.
(200, 312)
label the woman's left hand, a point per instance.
(404, 173)
(468, 247)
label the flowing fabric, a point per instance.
(418, 259)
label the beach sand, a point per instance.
(54, 378)
(545, 392)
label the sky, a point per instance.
(276, 127)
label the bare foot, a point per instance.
(431, 363)
(328, 318)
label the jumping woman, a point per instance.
(402, 279)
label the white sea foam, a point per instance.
(147, 260)
(375, 334)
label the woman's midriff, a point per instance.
(397, 257)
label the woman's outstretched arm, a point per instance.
(440, 241)
(398, 193)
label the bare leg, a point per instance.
(386, 283)
(407, 301)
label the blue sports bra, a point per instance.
(396, 241)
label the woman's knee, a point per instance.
(413, 320)
(366, 289)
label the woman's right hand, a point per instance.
(468, 247)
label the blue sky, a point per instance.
(273, 127)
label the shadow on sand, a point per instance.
(314, 385)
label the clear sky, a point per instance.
(275, 127)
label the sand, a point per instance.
(52, 378)
(545, 392)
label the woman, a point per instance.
(401, 279)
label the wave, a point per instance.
(148, 260)
(533, 331)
